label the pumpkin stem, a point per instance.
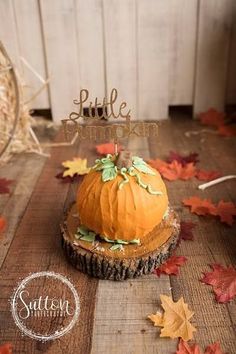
(124, 159)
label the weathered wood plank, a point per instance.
(91, 47)
(28, 21)
(213, 242)
(60, 37)
(231, 82)
(153, 47)
(120, 50)
(121, 324)
(215, 21)
(183, 37)
(8, 32)
(12, 207)
(36, 246)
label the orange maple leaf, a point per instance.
(223, 281)
(171, 266)
(6, 348)
(108, 148)
(175, 170)
(3, 223)
(204, 175)
(226, 211)
(212, 118)
(157, 164)
(175, 319)
(214, 349)
(227, 130)
(185, 348)
(200, 206)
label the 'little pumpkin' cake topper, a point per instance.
(121, 225)
(76, 123)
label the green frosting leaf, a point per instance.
(141, 166)
(83, 230)
(89, 238)
(116, 247)
(84, 234)
(108, 174)
(121, 242)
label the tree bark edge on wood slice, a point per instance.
(111, 268)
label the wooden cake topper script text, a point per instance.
(104, 130)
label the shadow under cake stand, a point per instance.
(98, 260)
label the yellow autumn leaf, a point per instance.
(76, 166)
(157, 319)
(175, 319)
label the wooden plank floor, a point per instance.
(113, 315)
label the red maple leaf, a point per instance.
(200, 206)
(175, 170)
(6, 348)
(4, 185)
(186, 228)
(223, 281)
(183, 160)
(3, 224)
(214, 349)
(212, 118)
(226, 211)
(69, 179)
(227, 130)
(108, 148)
(204, 175)
(185, 348)
(171, 266)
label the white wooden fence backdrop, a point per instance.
(157, 53)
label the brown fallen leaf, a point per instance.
(4, 185)
(223, 281)
(68, 179)
(171, 266)
(183, 160)
(175, 319)
(200, 206)
(186, 228)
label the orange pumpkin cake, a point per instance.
(121, 225)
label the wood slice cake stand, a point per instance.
(97, 260)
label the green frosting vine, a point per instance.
(110, 171)
(84, 234)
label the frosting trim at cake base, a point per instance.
(98, 260)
